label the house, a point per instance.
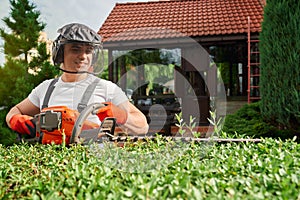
(188, 34)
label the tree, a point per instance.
(25, 26)
(16, 81)
(280, 64)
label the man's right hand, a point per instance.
(23, 124)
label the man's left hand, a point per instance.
(111, 110)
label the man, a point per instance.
(76, 50)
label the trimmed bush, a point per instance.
(266, 170)
(248, 121)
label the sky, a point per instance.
(56, 13)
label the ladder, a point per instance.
(253, 67)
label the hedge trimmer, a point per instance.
(60, 125)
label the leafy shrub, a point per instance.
(248, 121)
(266, 170)
(7, 136)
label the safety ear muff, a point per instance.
(57, 52)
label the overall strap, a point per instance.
(87, 95)
(49, 92)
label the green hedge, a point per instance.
(270, 169)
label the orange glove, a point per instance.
(111, 110)
(23, 124)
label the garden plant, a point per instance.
(270, 169)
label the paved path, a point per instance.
(233, 106)
(229, 107)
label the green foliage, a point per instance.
(21, 91)
(266, 170)
(280, 61)
(16, 79)
(25, 25)
(46, 71)
(248, 121)
(13, 75)
(7, 136)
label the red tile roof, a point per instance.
(193, 18)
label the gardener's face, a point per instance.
(77, 57)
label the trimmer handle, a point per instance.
(77, 129)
